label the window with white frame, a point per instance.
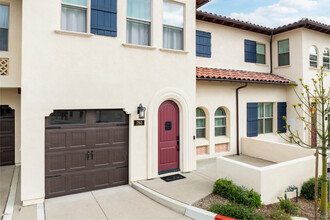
(138, 22)
(265, 118)
(4, 13)
(173, 25)
(283, 52)
(313, 57)
(261, 53)
(220, 122)
(200, 123)
(326, 59)
(74, 15)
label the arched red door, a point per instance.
(168, 137)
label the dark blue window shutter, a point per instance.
(250, 51)
(203, 44)
(281, 111)
(252, 119)
(104, 17)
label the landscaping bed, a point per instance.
(306, 209)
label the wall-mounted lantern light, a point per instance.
(141, 111)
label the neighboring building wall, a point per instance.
(227, 47)
(82, 71)
(13, 99)
(13, 79)
(211, 94)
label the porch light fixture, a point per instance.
(141, 111)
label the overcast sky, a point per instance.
(271, 13)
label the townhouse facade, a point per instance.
(97, 93)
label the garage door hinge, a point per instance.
(47, 177)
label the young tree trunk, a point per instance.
(316, 197)
(324, 201)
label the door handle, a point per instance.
(92, 155)
(87, 155)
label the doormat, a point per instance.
(173, 177)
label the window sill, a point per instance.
(221, 140)
(138, 46)
(173, 51)
(282, 67)
(72, 33)
(313, 68)
(201, 142)
(262, 64)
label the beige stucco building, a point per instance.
(75, 80)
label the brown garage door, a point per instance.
(7, 135)
(85, 150)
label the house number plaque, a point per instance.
(138, 122)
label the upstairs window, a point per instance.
(200, 123)
(283, 53)
(138, 22)
(173, 25)
(254, 52)
(313, 57)
(220, 122)
(265, 118)
(74, 15)
(4, 27)
(261, 53)
(326, 59)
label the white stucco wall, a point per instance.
(13, 79)
(213, 94)
(64, 71)
(227, 47)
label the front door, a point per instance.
(168, 137)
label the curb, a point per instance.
(182, 208)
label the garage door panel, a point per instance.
(7, 126)
(7, 157)
(83, 157)
(7, 141)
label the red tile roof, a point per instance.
(239, 76)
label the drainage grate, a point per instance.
(173, 178)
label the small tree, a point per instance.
(312, 110)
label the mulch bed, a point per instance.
(306, 206)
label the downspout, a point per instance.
(237, 118)
(271, 52)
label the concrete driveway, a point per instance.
(120, 203)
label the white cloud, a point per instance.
(284, 12)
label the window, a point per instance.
(313, 57)
(200, 123)
(74, 15)
(265, 118)
(283, 53)
(220, 122)
(326, 59)
(173, 23)
(255, 52)
(203, 44)
(138, 22)
(261, 53)
(109, 116)
(4, 10)
(67, 117)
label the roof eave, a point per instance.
(243, 81)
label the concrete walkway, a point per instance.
(6, 174)
(120, 203)
(194, 187)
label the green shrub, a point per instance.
(235, 211)
(288, 207)
(279, 214)
(237, 194)
(308, 189)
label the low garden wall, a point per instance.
(294, 166)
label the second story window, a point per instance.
(261, 53)
(74, 15)
(313, 57)
(138, 22)
(283, 53)
(173, 25)
(4, 27)
(326, 59)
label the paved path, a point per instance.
(6, 173)
(119, 203)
